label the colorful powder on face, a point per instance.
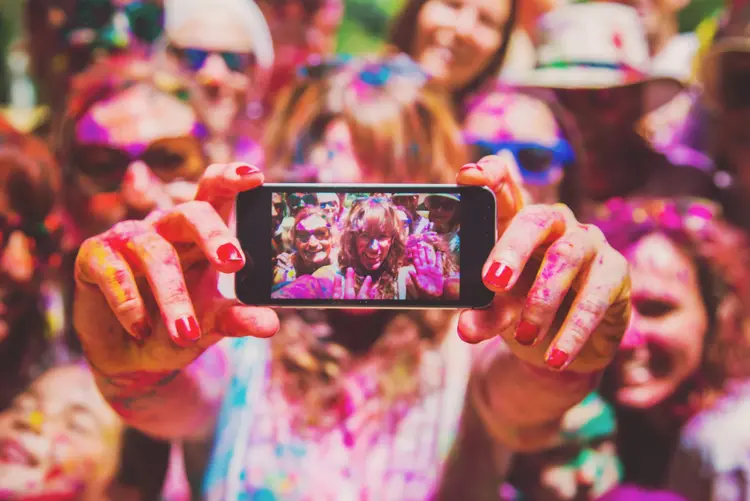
(36, 420)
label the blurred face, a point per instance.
(606, 119)
(99, 27)
(333, 157)
(58, 437)
(215, 50)
(456, 39)
(298, 201)
(133, 153)
(663, 344)
(526, 127)
(312, 239)
(443, 212)
(405, 220)
(277, 209)
(298, 34)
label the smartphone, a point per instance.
(365, 246)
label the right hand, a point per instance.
(147, 297)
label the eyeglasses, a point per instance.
(440, 203)
(536, 161)
(145, 19)
(194, 58)
(319, 234)
(169, 159)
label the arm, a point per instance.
(181, 404)
(521, 405)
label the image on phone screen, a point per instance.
(354, 246)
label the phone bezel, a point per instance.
(254, 218)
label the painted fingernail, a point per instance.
(187, 329)
(246, 170)
(228, 253)
(557, 359)
(141, 329)
(499, 275)
(526, 333)
(469, 167)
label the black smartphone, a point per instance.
(365, 246)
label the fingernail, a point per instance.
(499, 275)
(141, 329)
(526, 333)
(228, 253)
(246, 170)
(470, 166)
(557, 359)
(187, 329)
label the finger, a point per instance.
(607, 285)
(475, 326)
(221, 183)
(364, 291)
(440, 261)
(499, 173)
(531, 228)
(239, 320)
(350, 285)
(561, 265)
(198, 222)
(338, 287)
(97, 264)
(161, 265)
(423, 255)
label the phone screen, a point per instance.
(373, 246)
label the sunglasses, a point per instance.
(194, 59)
(169, 159)
(145, 19)
(537, 162)
(319, 234)
(438, 203)
(329, 205)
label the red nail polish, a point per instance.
(498, 275)
(229, 253)
(246, 170)
(557, 359)
(141, 329)
(526, 333)
(470, 166)
(187, 329)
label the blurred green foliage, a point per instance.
(366, 24)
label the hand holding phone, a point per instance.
(374, 246)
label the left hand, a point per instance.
(562, 292)
(428, 276)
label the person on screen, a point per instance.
(331, 205)
(445, 216)
(372, 253)
(312, 237)
(410, 202)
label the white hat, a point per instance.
(594, 46)
(177, 12)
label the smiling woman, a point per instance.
(59, 440)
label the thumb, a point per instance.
(239, 320)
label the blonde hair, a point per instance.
(398, 125)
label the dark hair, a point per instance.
(404, 30)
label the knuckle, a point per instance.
(539, 300)
(129, 308)
(577, 333)
(594, 233)
(566, 251)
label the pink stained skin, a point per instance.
(589, 331)
(59, 439)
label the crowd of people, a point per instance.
(613, 363)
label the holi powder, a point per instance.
(101, 257)
(36, 420)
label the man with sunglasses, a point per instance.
(410, 202)
(595, 61)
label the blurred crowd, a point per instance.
(124, 106)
